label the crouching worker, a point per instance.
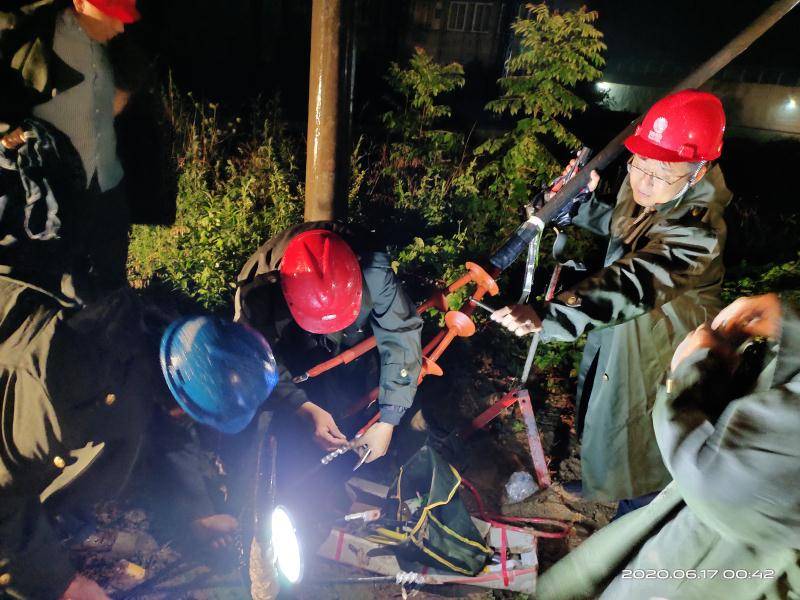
(662, 275)
(726, 423)
(78, 388)
(315, 290)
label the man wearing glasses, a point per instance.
(661, 279)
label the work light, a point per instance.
(286, 546)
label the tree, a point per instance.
(557, 51)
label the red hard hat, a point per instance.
(321, 281)
(124, 10)
(686, 126)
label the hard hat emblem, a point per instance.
(659, 127)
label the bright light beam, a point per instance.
(286, 546)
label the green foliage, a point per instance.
(459, 200)
(558, 51)
(749, 280)
(422, 186)
(420, 86)
(238, 185)
(416, 185)
(559, 354)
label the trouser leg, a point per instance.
(105, 225)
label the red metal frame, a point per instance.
(523, 399)
(458, 323)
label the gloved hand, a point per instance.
(519, 319)
(564, 216)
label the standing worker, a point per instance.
(55, 67)
(662, 276)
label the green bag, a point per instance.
(425, 520)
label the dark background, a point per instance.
(234, 51)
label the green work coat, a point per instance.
(82, 403)
(728, 526)
(662, 276)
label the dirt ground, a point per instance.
(131, 560)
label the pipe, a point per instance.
(323, 111)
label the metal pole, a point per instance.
(323, 110)
(703, 73)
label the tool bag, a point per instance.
(426, 522)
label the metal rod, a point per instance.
(482, 305)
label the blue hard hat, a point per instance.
(218, 371)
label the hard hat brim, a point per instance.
(125, 14)
(649, 150)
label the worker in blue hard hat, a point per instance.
(219, 372)
(80, 411)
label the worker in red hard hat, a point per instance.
(56, 72)
(315, 290)
(660, 280)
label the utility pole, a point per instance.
(324, 107)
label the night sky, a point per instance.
(217, 53)
(688, 31)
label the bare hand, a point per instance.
(216, 530)
(83, 588)
(757, 316)
(594, 179)
(520, 319)
(13, 140)
(377, 439)
(121, 98)
(326, 433)
(703, 337)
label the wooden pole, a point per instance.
(323, 111)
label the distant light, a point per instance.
(791, 104)
(286, 545)
(603, 86)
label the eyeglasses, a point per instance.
(660, 181)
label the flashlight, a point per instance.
(286, 546)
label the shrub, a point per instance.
(557, 51)
(238, 185)
(749, 280)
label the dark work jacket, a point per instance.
(38, 232)
(386, 312)
(73, 411)
(727, 526)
